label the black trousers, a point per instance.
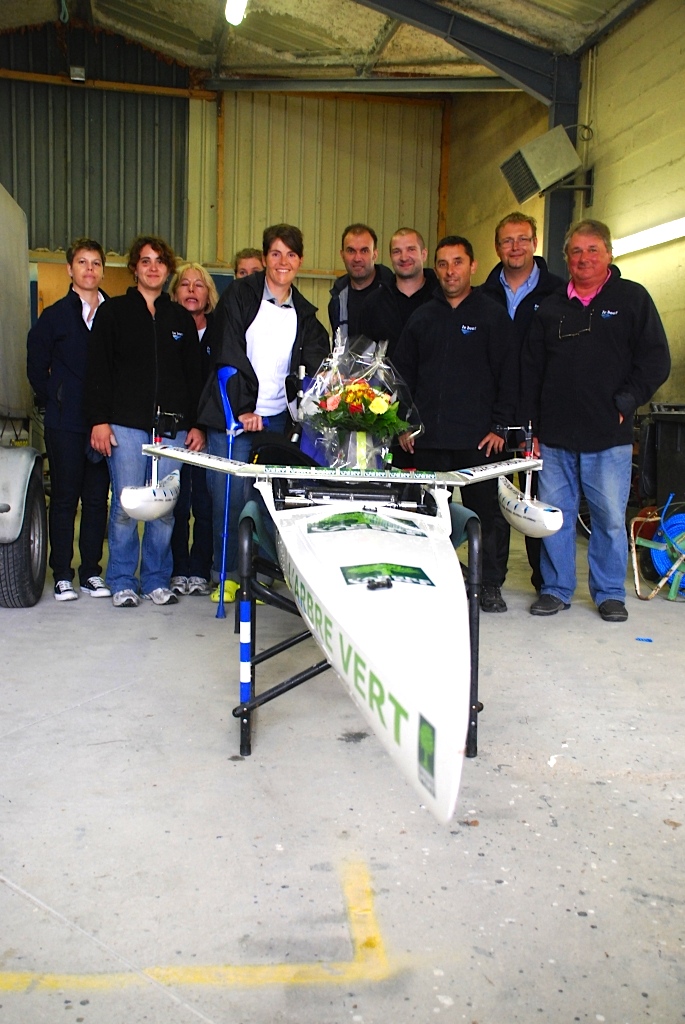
(480, 498)
(73, 478)
(195, 560)
(533, 544)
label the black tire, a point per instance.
(23, 563)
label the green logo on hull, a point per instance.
(427, 755)
(344, 521)
(385, 571)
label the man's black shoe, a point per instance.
(491, 600)
(548, 604)
(613, 611)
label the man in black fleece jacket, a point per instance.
(596, 351)
(520, 282)
(389, 306)
(458, 358)
(359, 252)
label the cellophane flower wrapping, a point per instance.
(356, 391)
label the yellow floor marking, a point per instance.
(369, 962)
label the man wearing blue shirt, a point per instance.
(520, 282)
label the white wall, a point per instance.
(486, 129)
(633, 97)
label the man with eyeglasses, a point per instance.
(596, 352)
(519, 282)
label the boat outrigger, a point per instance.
(156, 498)
(369, 561)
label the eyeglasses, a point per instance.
(509, 243)
(575, 323)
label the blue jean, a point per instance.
(604, 478)
(242, 490)
(128, 467)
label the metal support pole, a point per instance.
(280, 688)
(474, 578)
(247, 631)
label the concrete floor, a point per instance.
(149, 874)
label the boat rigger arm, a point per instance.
(455, 478)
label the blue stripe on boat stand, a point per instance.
(245, 651)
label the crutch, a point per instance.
(233, 427)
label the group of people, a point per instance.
(143, 366)
(576, 360)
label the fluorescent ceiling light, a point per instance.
(235, 11)
(652, 236)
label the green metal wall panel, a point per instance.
(81, 161)
(322, 162)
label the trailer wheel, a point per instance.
(22, 563)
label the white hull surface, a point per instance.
(401, 651)
(152, 502)
(528, 515)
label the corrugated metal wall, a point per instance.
(322, 162)
(85, 161)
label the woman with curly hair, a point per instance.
(144, 373)
(193, 287)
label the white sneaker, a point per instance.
(96, 587)
(64, 591)
(179, 585)
(197, 585)
(161, 596)
(125, 599)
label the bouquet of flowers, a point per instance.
(355, 405)
(358, 405)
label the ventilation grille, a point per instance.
(521, 179)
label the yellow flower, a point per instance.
(379, 405)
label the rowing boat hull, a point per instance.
(401, 651)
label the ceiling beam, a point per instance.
(526, 66)
(388, 33)
(361, 85)
(553, 79)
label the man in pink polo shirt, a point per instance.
(595, 353)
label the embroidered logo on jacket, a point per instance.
(177, 335)
(465, 329)
(608, 313)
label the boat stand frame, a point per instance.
(249, 564)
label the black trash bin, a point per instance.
(669, 426)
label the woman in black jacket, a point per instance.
(193, 287)
(143, 373)
(267, 330)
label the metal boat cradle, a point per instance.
(303, 492)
